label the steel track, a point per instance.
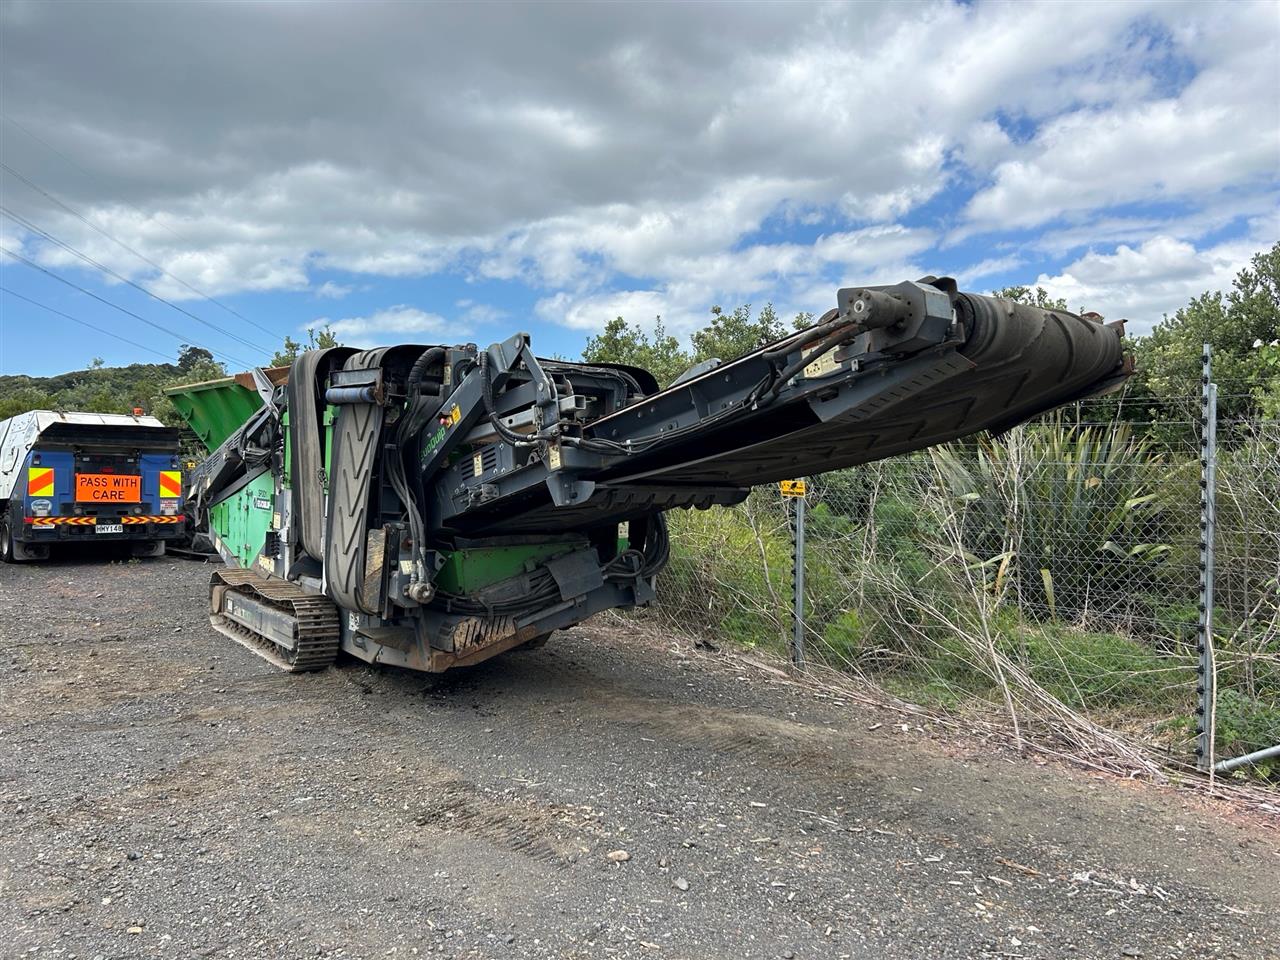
(315, 618)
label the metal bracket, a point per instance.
(262, 383)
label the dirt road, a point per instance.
(165, 793)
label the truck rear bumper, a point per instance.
(81, 529)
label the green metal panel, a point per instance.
(330, 412)
(288, 451)
(469, 570)
(242, 520)
(215, 408)
(330, 415)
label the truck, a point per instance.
(428, 506)
(71, 478)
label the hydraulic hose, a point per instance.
(421, 405)
(419, 369)
(507, 434)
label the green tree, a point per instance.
(23, 399)
(1267, 392)
(1039, 297)
(189, 356)
(321, 340)
(621, 342)
(730, 335)
(103, 389)
(1238, 325)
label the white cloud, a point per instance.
(794, 277)
(480, 314)
(1221, 132)
(637, 149)
(968, 276)
(984, 145)
(872, 247)
(332, 291)
(1146, 282)
(593, 312)
(1212, 216)
(385, 326)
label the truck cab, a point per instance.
(68, 478)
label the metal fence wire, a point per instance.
(1049, 576)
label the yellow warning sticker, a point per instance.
(792, 488)
(824, 366)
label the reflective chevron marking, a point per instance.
(91, 521)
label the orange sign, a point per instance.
(108, 488)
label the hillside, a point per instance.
(98, 390)
(103, 389)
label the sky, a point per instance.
(232, 174)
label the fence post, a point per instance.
(1208, 522)
(797, 578)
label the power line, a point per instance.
(107, 270)
(115, 306)
(133, 206)
(85, 323)
(89, 223)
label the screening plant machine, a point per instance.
(432, 506)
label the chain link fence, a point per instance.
(1246, 624)
(1049, 577)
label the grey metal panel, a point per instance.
(576, 573)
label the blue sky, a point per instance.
(442, 174)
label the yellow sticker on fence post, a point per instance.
(791, 488)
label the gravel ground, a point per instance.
(165, 793)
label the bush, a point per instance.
(1092, 670)
(729, 574)
(1066, 517)
(1245, 724)
(1058, 563)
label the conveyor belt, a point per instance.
(1007, 363)
(306, 440)
(355, 448)
(1016, 362)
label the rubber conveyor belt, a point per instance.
(306, 381)
(1004, 363)
(355, 447)
(1016, 362)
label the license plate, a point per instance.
(108, 528)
